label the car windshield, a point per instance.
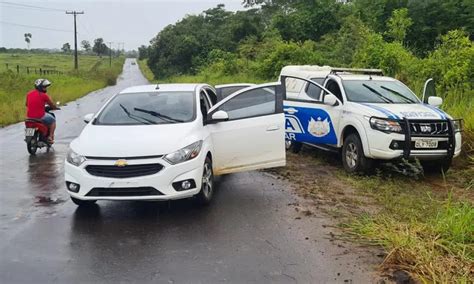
(372, 91)
(148, 108)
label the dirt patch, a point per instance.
(318, 180)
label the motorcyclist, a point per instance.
(35, 102)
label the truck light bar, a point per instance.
(357, 70)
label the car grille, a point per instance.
(128, 171)
(123, 191)
(426, 128)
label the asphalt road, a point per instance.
(254, 231)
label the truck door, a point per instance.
(311, 116)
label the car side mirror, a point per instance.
(435, 101)
(330, 99)
(88, 117)
(219, 116)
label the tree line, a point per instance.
(332, 29)
(410, 40)
(99, 48)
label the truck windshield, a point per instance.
(371, 91)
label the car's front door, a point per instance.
(309, 119)
(247, 130)
(223, 91)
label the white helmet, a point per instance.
(42, 84)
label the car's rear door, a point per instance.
(253, 136)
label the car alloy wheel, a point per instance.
(207, 185)
(204, 196)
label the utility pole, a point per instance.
(75, 35)
(123, 45)
(110, 53)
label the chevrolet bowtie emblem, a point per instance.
(121, 163)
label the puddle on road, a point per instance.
(47, 200)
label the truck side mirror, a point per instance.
(429, 90)
(435, 101)
(330, 99)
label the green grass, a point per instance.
(94, 73)
(146, 70)
(425, 230)
(206, 76)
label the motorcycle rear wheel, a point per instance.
(32, 145)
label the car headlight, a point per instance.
(185, 154)
(385, 125)
(74, 158)
(457, 125)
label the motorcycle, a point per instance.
(37, 133)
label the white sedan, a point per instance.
(167, 141)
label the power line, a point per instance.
(31, 6)
(28, 9)
(34, 27)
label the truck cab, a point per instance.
(366, 117)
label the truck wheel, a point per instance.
(204, 196)
(80, 202)
(296, 147)
(353, 158)
(436, 167)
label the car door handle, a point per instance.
(273, 128)
(290, 110)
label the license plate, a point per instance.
(30, 131)
(426, 143)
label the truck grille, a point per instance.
(128, 171)
(429, 128)
(124, 191)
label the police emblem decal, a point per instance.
(318, 127)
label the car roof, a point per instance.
(234, 85)
(162, 88)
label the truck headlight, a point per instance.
(74, 158)
(385, 125)
(185, 154)
(457, 125)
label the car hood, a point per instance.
(410, 111)
(133, 140)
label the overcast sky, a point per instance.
(132, 22)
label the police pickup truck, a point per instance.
(366, 116)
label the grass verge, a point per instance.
(425, 224)
(94, 73)
(146, 70)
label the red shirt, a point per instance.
(35, 101)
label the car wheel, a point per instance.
(353, 158)
(436, 167)
(32, 144)
(204, 197)
(80, 202)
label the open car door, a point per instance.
(248, 130)
(223, 91)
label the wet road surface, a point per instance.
(251, 233)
